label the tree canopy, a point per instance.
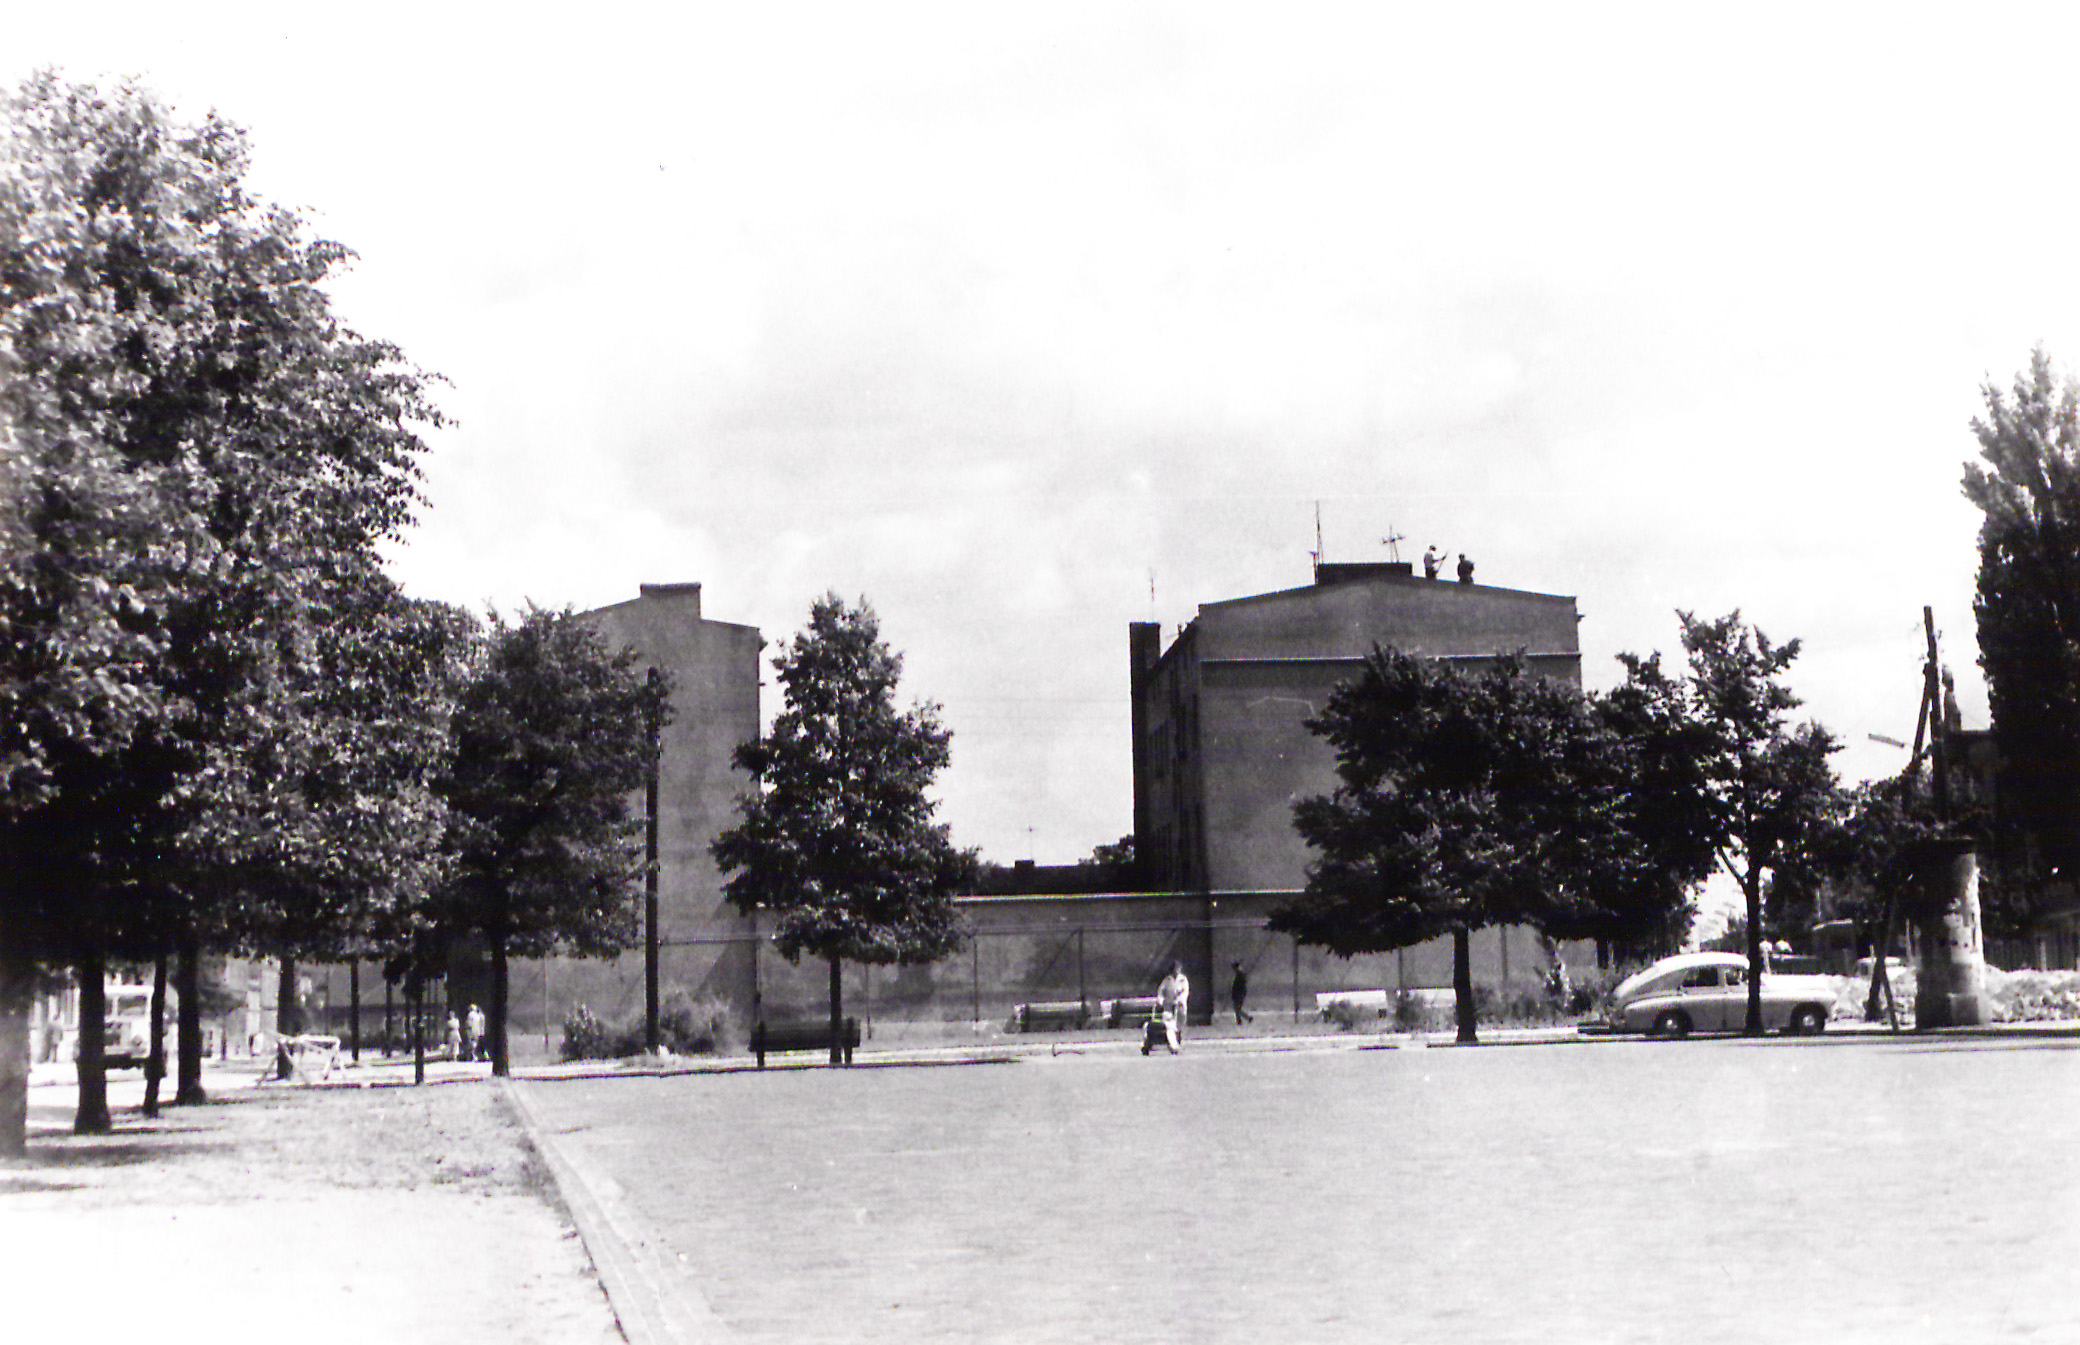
(1469, 799)
(836, 839)
(1769, 794)
(553, 733)
(200, 459)
(2027, 488)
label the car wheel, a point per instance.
(1672, 1024)
(1808, 1021)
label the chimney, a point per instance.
(682, 594)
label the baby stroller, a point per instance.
(1158, 1033)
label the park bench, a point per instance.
(1054, 1016)
(775, 1038)
(1132, 1011)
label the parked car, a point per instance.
(1708, 992)
(127, 1025)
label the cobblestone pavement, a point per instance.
(1855, 1187)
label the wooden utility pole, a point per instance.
(650, 1036)
(1950, 985)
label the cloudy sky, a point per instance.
(1026, 322)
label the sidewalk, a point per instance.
(345, 1213)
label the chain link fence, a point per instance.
(1061, 972)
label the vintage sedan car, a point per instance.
(1708, 992)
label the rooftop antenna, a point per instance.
(1392, 542)
(1316, 554)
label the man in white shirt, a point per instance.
(1171, 998)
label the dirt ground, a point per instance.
(345, 1214)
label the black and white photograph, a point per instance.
(1177, 674)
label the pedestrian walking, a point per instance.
(478, 1048)
(1238, 994)
(454, 1037)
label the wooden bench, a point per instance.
(779, 1037)
(1054, 1016)
(1133, 1011)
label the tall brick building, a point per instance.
(1221, 747)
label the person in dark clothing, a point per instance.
(1465, 569)
(1238, 992)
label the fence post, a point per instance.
(1083, 998)
(1296, 978)
(975, 981)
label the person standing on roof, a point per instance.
(1465, 569)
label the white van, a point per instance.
(127, 1026)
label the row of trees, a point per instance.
(1470, 799)
(222, 726)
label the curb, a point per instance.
(647, 1292)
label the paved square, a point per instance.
(1838, 1189)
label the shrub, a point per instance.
(689, 1026)
(1412, 1013)
(585, 1037)
(685, 1026)
(1348, 1016)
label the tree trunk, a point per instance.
(288, 1016)
(92, 1117)
(1462, 983)
(837, 1013)
(416, 998)
(187, 985)
(17, 1000)
(155, 1057)
(1751, 887)
(288, 1002)
(500, 994)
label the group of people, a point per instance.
(1433, 564)
(1173, 996)
(466, 1036)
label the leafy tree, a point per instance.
(1469, 799)
(1464, 800)
(197, 453)
(1117, 863)
(2027, 487)
(1647, 843)
(837, 837)
(1769, 792)
(552, 735)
